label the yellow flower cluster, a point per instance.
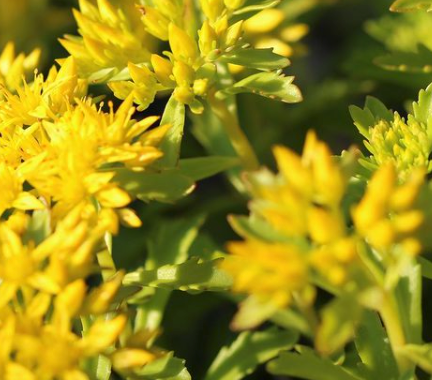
(404, 143)
(14, 67)
(64, 147)
(112, 36)
(311, 233)
(303, 204)
(189, 67)
(392, 214)
(43, 290)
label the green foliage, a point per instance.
(308, 365)
(248, 351)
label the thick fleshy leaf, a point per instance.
(418, 62)
(191, 276)
(255, 227)
(204, 167)
(374, 349)
(174, 115)
(411, 5)
(373, 111)
(248, 351)
(166, 186)
(169, 245)
(165, 368)
(308, 365)
(338, 323)
(256, 6)
(261, 59)
(270, 85)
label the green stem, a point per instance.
(238, 139)
(391, 319)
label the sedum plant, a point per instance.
(327, 267)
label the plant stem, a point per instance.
(390, 316)
(238, 139)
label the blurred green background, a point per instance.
(336, 70)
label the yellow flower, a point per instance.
(42, 99)
(11, 191)
(111, 38)
(391, 214)
(271, 272)
(303, 183)
(13, 68)
(403, 143)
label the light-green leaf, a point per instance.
(174, 115)
(166, 186)
(165, 368)
(338, 323)
(204, 167)
(256, 6)
(411, 5)
(270, 85)
(248, 351)
(374, 349)
(261, 59)
(191, 276)
(308, 365)
(407, 62)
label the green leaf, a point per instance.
(191, 276)
(426, 267)
(308, 365)
(338, 323)
(374, 349)
(422, 109)
(248, 351)
(373, 111)
(408, 294)
(256, 228)
(166, 186)
(270, 85)
(256, 6)
(411, 5)
(204, 167)
(165, 368)
(169, 245)
(419, 62)
(261, 59)
(419, 354)
(174, 114)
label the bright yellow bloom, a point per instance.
(11, 191)
(13, 68)
(271, 272)
(392, 214)
(303, 182)
(303, 204)
(112, 36)
(43, 99)
(403, 143)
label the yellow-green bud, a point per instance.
(183, 74)
(183, 46)
(213, 9)
(155, 22)
(207, 38)
(234, 33)
(200, 86)
(234, 4)
(163, 69)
